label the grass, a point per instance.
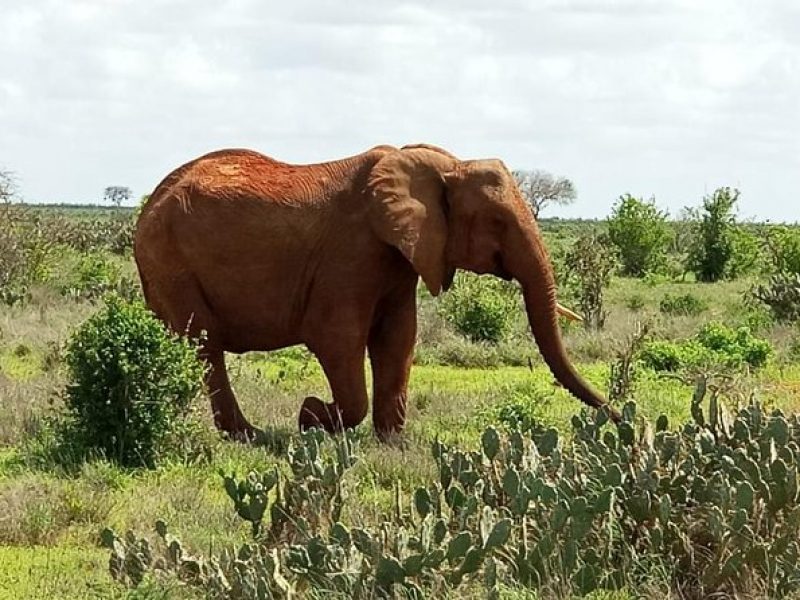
(50, 519)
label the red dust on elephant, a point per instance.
(261, 255)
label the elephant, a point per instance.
(247, 253)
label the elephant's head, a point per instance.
(445, 214)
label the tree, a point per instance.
(117, 194)
(641, 232)
(590, 263)
(540, 188)
(8, 186)
(715, 241)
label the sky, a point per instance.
(667, 98)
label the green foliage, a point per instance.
(26, 251)
(94, 277)
(683, 304)
(521, 406)
(641, 233)
(783, 250)
(480, 308)
(625, 370)
(130, 383)
(715, 345)
(114, 233)
(713, 504)
(590, 263)
(746, 256)
(781, 292)
(716, 237)
(635, 302)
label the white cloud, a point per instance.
(667, 97)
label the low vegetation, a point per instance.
(114, 484)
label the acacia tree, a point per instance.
(117, 194)
(7, 186)
(540, 188)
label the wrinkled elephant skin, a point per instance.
(260, 255)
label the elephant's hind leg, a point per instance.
(228, 416)
(180, 302)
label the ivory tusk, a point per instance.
(565, 312)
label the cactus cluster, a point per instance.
(714, 504)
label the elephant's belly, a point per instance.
(252, 315)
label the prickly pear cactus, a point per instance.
(714, 504)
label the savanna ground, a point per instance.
(50, 518)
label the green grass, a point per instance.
(50, 519)
(60, 572)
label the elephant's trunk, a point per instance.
(529, 264)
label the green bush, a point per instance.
(683, 304)
(783, 250)
(641, 233)
(746, 257)
(714, 345)
(480, 308)
(94, 277)
(130, 383)
(716, 236)
(635, 302)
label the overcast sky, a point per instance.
(669, 98)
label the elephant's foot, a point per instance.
(314, 413)
(332, 418)
(389, 419)
(245, 435)
(239, 430)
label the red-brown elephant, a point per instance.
(261, 255)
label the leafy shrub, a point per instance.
(130, 383)
(711, 505)
(783, 249)
(758, 320)
(635, 302)
(746, 256)
(641, 233)
(683, 304)
(95, 276)
(713, 246)
(714, 344)
(590, 263)
(480, 308)
(519, 406)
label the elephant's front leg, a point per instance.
(391, 352)
(345, 372)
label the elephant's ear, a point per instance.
(409, 210)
